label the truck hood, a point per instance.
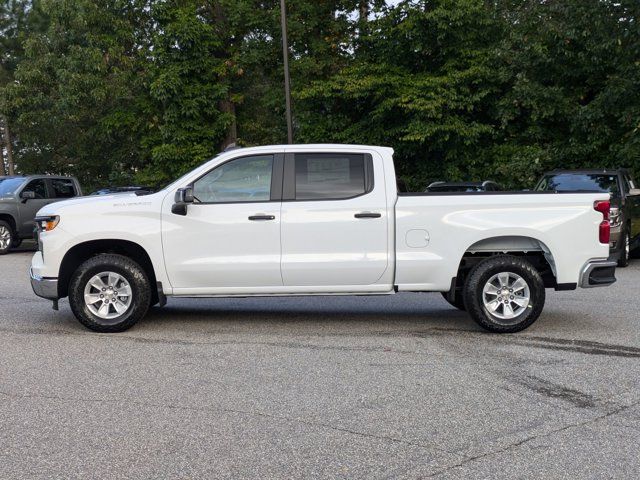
(99, 203)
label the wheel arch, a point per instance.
(7, 217)
(533, 249)
(81, 252)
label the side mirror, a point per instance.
(27, 195)
(184, 196)
(634, 192)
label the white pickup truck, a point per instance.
(317, 220)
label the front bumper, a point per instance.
(44, 287)
(598, 273)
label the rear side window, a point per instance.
(331, 176)
(63, 188)
(38, 187)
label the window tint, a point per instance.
(38, 187)
(575, 182)
(321, 176)
(63, 188)
(246, 179)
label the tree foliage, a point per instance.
(121, 91)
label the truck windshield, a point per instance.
(579, 182)
(9, 185)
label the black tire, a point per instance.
(623, 259)
(458, 302)
(131, 272)
(6, 229)
(16, 242)
(474, 295)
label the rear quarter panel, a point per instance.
(566, 224)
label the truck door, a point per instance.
(334, 220)
(229, 239)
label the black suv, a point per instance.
(625, 203)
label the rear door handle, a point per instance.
(368, 215)
(262, 217)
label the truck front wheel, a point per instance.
(109, 293)
(504, 294)
(7, 237)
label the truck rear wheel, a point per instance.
(109, 293)
(625, 249)
(504, 294)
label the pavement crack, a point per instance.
(518, 443)
(285, 418)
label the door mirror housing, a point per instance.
(634, 192)
(27, 195)
(183, 197)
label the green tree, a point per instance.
(419, 80)
(570, 72)
(78, 103)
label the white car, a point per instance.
(317, 220)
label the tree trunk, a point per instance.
(3, 170)
(363, 9)
(7, 143)
(227, 106)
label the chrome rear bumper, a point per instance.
(598, 273)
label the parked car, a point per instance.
(22, 197)
(317, 220)
(460, 187)
(625, 203)
(133, 188)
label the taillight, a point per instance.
(604, 207)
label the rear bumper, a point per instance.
(598, 273)
(44, 287)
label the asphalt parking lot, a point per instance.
(330, 387)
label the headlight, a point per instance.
(615, 217)
(46, 224)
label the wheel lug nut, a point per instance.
(101, 296)
(511, 297)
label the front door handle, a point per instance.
(368, 215)
(262, 217)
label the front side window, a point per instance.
(246, 179)
(63, 188)
(38, 187)
(324, 176)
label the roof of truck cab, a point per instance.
(310, 146)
